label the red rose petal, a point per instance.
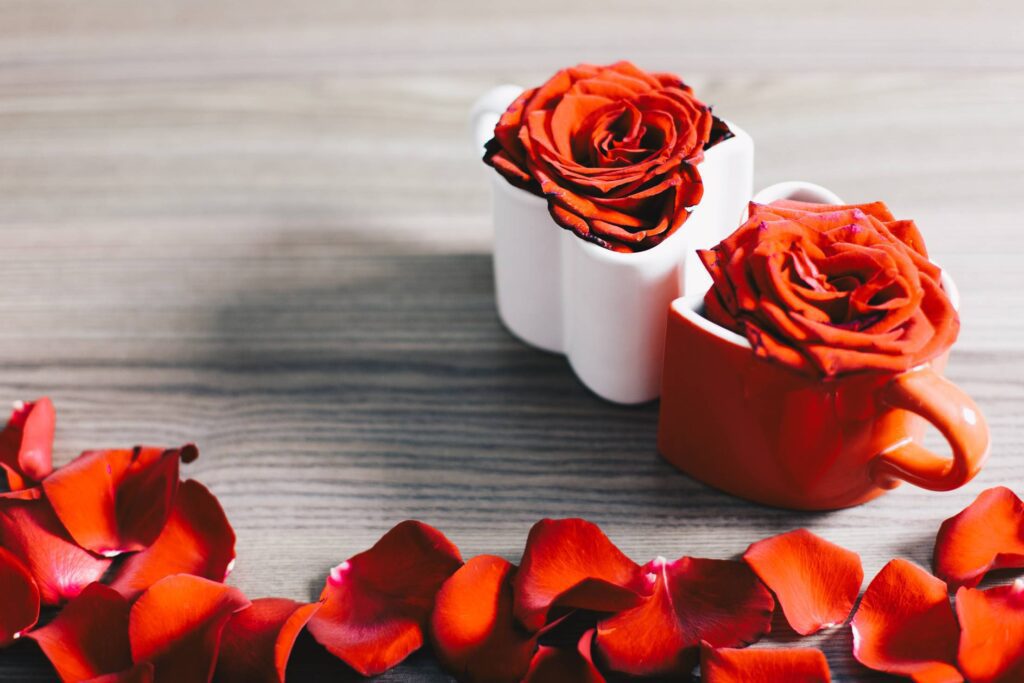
(570, 563)
(377, 603)
(197, 539)
(718, 601)
(556, 665)
(992, 633)
(31, 531)
(876, 209)
(89, 637)
(140, 673)
(177, 624)
(118, 500)
(19, 599)
(797, 665)
(26, 443)
(258, 641)
(987, 535)
(792, 665)
(905, 625)
(475, 635)
(816, 582)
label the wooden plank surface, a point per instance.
(261, 226)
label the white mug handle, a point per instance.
(487, 110)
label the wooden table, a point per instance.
(264, 229)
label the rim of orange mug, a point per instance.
(796, 190)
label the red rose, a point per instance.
(613, 149)
(831, 289)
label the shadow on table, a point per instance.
(420, 395)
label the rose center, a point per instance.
(622, 137)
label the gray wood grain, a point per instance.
(264, 229)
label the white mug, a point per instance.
(606, 311)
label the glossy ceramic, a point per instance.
(761, 431)
(604, 310)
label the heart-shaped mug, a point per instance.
(761, 431)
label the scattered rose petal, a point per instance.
(992, 633)
(197, 539)
(570, 563)
(816, 582)
(31, 531)
(117, 500)
(34, 493)
(987, 535)
(475, 635)
(19, 599)
(89, 637)
(378, 602)
(905, 625)
(792, 665)
(26, 443)
(177, 623)
(257, 642)
(556, 665)
(718, 601)
(140, 673)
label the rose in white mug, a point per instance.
(614, 150)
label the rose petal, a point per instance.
(988, 534)
(570, 563)
(19, 599)
(378, 602)
(792, 665)
(992, 633)
(905, 625)
(89, 637)
(475, 636)
(31, 531)
(257, 642)
(718, 601)
(816, 582)
(197, 539)
(140, 673)
(177, 624)
(557, 665)
(26, 443)
(118, 500)
(876, 209)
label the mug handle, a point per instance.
(486, 111)
(949, 410)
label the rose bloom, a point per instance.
(614, 150)
(831, 289)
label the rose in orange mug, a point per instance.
(806, 375)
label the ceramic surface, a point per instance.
(605, 310)
(763, 432)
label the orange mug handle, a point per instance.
(953, 413)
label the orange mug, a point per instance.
(761, 431)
